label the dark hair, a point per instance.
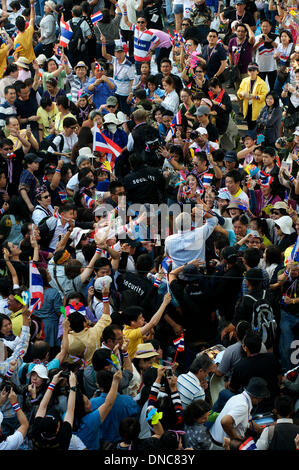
(7, 88)
(2, 318)
(66, 208)
(51, 60)
(115, 184)
(136, 161)
(253, 342)
(108, 332)
(129, 429)
(6, 142)
(275, 98)
(40, 350)
(104, 379)
(220, 241)
(69, 122)
(213, 31)
(255, 277)
(100, 263)
(214, 82)
(269, 151)
(273, 255)
(85, 137)
(77, 11)
(106, 16)
(152, 79)
(243, 26)
(10, 69)
(144, 263)
(131, 314)
(5, 287)
(266, 21)
(242, 328)
(262, 225)
(284, 406)
(165, 60)
(169, 441)
(20, 23)
(99, 359)
(45, 102)
(177, 149)
(240, 218)
(63, 101)
(141, 94)
(235, 175)
(77, 321)
(169, 81)
(83, 172)
(195, 410)
(252, 257)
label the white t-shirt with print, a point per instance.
(265, 57)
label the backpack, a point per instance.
(60, 146)
(76, 43)
(46, 233)
(263, 320)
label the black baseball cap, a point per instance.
(32, 158)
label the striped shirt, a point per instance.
(6, 110)
(189, 389)
(122, 75)
(76, 85)
(143, 42)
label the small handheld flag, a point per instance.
(98, 16)
(66, 33)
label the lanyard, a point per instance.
(139, 36)
(117, 72)
(212, 52)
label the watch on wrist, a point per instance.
(74, 389)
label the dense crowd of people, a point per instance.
(149, 196)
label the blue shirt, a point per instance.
(100, 93)
(90, 430)
(123, 407)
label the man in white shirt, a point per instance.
(188, 244)
(133, 6)
(233, 183)
(235, 417)
(191, 385)
(265, 45)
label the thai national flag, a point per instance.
(207, 179)
(177, 120)
(123, 43)
(88, 201)
(166, 262)
(36, 288)
(102, 143)
(66, 33)
(265, 179)
(249, 444)
(295, 251)
(98, 16)
(179, 37)
(179, 343)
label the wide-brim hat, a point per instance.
(279, 205)
(51, 5)
(145, 350)
(22, 62)
(257, 388)
(189, 273)
(110, 118)
(285, 224)
(81, 64)
(77, 234)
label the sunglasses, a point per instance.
(46, 197)
(185, 24)
(275, 213)
(141, 22)
(111, 106)
(252, 70)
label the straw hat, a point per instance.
(145, 350)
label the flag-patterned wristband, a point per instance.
(286, 273)
(57, 170)
(157, 283)
(297, 161)
(51, 386)
(170, 158)
(292, 179)
(125, 354)
(16, 406)
(9, 373)
(98, 250)
(105, 300)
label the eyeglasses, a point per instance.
(199, 71)
(111, 106)
(7, 149)
(185, 24)
(140, 22)
(46, 197)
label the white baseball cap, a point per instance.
(41, 371)
(201, 130)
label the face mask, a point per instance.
(112, 128)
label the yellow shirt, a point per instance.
(17, 322)
(135, 337)
(46, 118)
(25, 41)
(59, 121)
(3, 59)
(16, 141)
(260, 89)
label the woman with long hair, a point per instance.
(269, 119)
